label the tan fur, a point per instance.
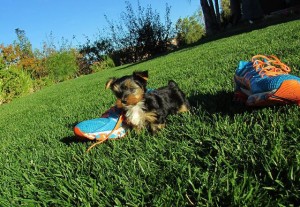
(108, 83)
(116, 88)
(183, 108)
(119, 103)
(129, 84)
(156, 127)
(143, 74)
(150, 117)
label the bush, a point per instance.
(140, 35)
(62, 65)
(106, 63)
(226, 12)
(2, 64)
(40, 83)
(14, 83)
(189, 29)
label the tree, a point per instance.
(23, 43)
(27, 60)
(9, 55)
(62, 65)
(189, 29)
(92, 53)
(96, 51)
(211, 15)
(226, 12)
(140, 34)
(250, 9)
(236, 13)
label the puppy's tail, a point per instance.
(172, 84)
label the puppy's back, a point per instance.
(169, 98)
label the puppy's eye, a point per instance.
(124, 88)
(132, 90)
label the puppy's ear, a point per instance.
(109, 83)
(141, 74)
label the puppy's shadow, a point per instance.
(220, 102)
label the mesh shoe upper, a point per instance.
(266, 81)
(248, 77)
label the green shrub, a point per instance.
(14, 83)
(2, 64)
(40, 83)
(226, 12)
(62, 65)
(189, 29)
(102, 65)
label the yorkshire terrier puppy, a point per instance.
(147, 109)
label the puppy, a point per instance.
(147, 109)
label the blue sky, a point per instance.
(68, 18)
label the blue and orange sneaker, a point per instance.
(109, 126)
(266, 81)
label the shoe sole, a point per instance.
(287, 93)
(83, 135)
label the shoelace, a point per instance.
(105, 137)
(269, 65)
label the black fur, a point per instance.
(165, 100)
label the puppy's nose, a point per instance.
(124, 101)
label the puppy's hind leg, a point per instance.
(183, 108)
(156, 127)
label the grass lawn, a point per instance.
(218, 155)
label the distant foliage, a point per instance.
(20, 54)
(24, 70)
(93, 54)
(141, 34)
(2, 65)
(96, 51)
(26, 58)
(10, 55)
(226, 12)
(189, 29)
(62, 65)
(14, 83)
(106, 63)
(40, 83)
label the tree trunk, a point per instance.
(236, 13)
(218, 16)
(210, 19)
(252, 9)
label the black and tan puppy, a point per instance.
(143, 108)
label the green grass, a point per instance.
(218, 155)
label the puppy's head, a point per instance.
(129, 89)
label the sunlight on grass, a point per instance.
(218, 155)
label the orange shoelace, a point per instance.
(106, 137)
(269, 65)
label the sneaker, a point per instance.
(266, 81)
(109, 126)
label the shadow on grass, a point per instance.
(220, 102)
(73, 139)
